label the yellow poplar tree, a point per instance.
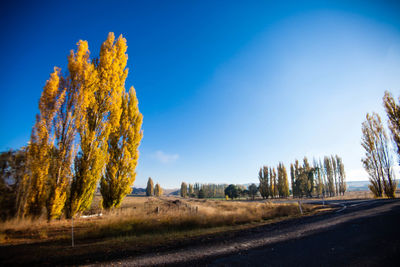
(40, 147)
(275, 179)
(101, 87)
(149, 188)
(283, 183)
(184, 190)
(125, 122)
(263, 176)
(51, 149)
(191, 190)
(286, 191)
(91, 122)
(123, 147)
(280, 183)
(158, 190)
(271, 183)
(91, 101)
(63, 152)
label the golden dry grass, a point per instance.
(362, 194)
(140, 216)
(354, 195)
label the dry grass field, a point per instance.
(354, 195)
(144, 216)
(365, 194)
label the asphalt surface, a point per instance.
(358, 233)
(372, 240)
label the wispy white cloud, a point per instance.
(164, 157)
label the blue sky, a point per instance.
(224, 86)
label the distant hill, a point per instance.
(361, 185)
(138, 191)
(172, 192)
(357, 185)
(142, 192)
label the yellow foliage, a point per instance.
(50, 151)
(158, 190)
(101, 125)
(125, 136)
(41, 144)
(92, 102)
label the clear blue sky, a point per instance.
(224, 86)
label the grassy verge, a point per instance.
(148, 216)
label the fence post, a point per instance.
(301, 210)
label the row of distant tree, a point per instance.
(378, 159)
(203, 190)
(87, 133)
(198, 190)
(234, 191)
(322, 178)
(273, 183)
(153, 190)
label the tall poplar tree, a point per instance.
(191, 190)
(335, 174)
(283, 184)
(64, 149)
(88, 111)
(150, 187)
(329, 174)
(196, 189)
(158, 190)
(393, 113)
(184, 190)
(292, 180)
(297, 180)
(377, 161)
(40, 147)
(263, 177)
(275, 181)
(342, 175)
(308, 183)
(280, 179)
(371, 162)
(285, 187)
(319, 183)
(123, 147)
(324, 179)
(93, 130)
(271, 183)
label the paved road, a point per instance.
(360, 233)
(367, 233)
